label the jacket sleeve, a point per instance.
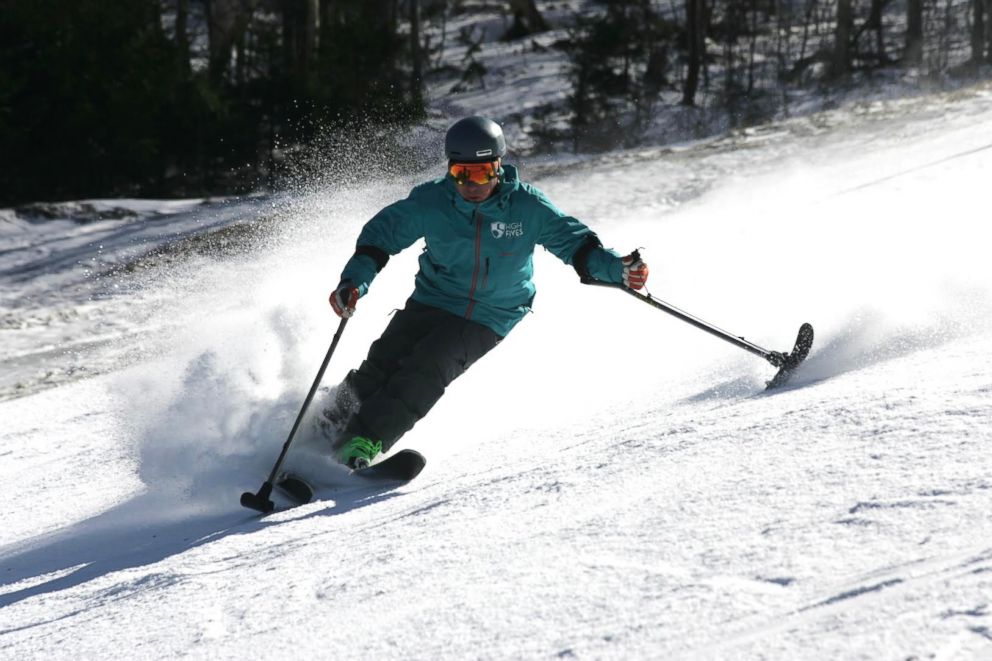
(390, 231)
(574, 243)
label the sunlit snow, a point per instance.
(609, 483)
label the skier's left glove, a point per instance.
(635, 271)
(344, 299)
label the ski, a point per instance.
(400, 467)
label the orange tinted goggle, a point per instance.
(477, 173)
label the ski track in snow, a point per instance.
(611, 483)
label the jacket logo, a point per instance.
(508, 230)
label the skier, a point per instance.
(481, 225)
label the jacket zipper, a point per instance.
(475, 271)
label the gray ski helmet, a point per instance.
(474, 140)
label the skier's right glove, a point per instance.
(344, 299)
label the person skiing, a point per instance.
(481, 225)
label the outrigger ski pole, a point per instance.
(786, 362)
(260, 501)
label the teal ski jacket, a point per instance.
(478, 261)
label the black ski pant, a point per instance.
(422, 350)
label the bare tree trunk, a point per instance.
(810, 12)
(182, 36)
(417, 74)
(706, 17)
(914, 33)
(729, 70)
(444, 35)
(208, 11)
(528, 11)
(327, 12)
(783, 25)
(381, 13)
(657, 61)
(240, 60)
(695, 12)
(753, 47)
(783, 48)
(988, 31)
(291, 37)
(327, 21)
(875, 23)
(944, 42)
(300, 21)
(841, 61)
(978, 31)
(311, 29)
(223, 18)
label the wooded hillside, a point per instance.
(195, 97)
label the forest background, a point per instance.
(105, 98)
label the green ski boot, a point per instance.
(359, 452)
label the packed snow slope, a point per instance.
(609, 483)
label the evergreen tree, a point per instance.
(618, 68)
(85, 86)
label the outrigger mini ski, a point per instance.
(400, 467)
(786, 362)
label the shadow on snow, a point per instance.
(125, 538)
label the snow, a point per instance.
(609, 483)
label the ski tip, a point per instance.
(791, 360)
(400, 467)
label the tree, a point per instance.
(600, 76)
(840, 63)
(913, 55)
(182, 38)
(223, 17)
(874, 23)
(362, 59)
(85, 87)
(618, 68)
(527, 20)
(416, 52)
(300, 21)
(978, 31)
(695, 36)
(988, 31)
